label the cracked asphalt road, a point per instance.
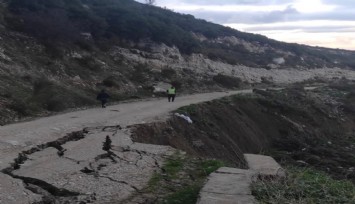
(84, 170)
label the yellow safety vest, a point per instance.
(171, 91)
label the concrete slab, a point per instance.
(88, 148)
(227, 170)
(264, 165)
(47, 165)
(13, 191)
(213, 198)
(112, 179)
(85, 169)
(228, 184)
(153, 149)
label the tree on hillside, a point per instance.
(150, 2)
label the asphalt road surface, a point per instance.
(83, 169)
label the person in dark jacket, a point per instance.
(103, 97)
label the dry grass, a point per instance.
(304, 186)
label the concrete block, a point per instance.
(214, 198)
(264, 165)
(228, 170)
(229, 184)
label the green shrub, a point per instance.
(2, 11)
(110, 82)
(53, 97)
(85, 44)
(41, 84)
(190, 110)
(177, 84)
(168, 73)
(187, 195)
(89, 63)
(227, 81)
(19, 97)
(209, 166)
(55, 104)
(266, 80)
(22, 107)
(173, 165)
(191, 174)
(141, 73)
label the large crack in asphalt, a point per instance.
(91, 171)
(51, 189)
(141, 153)
(57, 144)
(121, 182)
(111, 155)
(53, 194)
(57, 192)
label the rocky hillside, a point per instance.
(57, 54)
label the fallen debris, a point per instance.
(187, 118)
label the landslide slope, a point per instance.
(312, 128)
(56, 55)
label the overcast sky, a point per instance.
(326, 23)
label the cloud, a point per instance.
(289, 14)
(332, 40)
(340, 3)
(262, 11)
(303, 29)
(300, 26)
(284, 20)
(225, 2)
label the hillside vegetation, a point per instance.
(57, 54)
(65, 20)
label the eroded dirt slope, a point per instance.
(309, 128)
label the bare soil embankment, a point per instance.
(312, 128)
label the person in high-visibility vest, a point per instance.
(171, 93)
